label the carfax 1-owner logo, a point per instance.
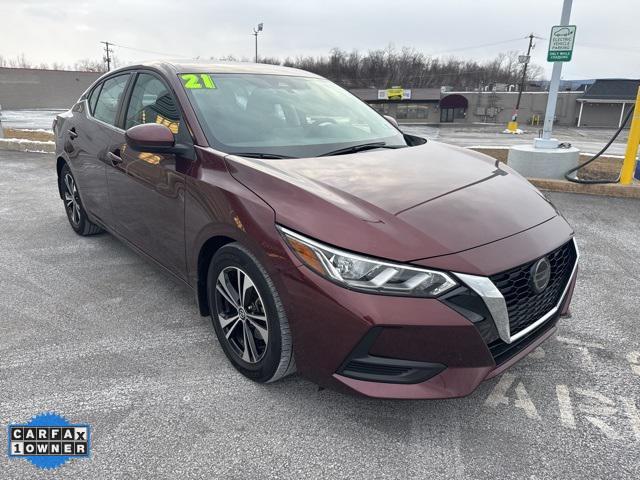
(49, 440)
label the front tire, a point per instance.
(76, 213)
(248, 316)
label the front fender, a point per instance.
(219, 209)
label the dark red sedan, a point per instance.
(317, 235)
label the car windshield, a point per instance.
(280, 115)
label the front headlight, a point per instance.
(366, 274)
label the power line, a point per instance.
(608, 47)
(406, 77)
(472, 47)
(166, 54)
(601, 46)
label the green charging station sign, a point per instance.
(561, 43)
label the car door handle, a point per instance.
(72, 133)
(114, 159)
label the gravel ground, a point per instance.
(90, 330)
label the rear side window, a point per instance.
(106, 106)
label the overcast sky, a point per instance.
(607, 44)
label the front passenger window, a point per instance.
(152, 102)
(106, 107)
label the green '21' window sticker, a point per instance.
(194, 81)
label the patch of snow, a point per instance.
(24, 140)
(38, 130)
(36, 119)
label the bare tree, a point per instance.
(380, 68)
(270, 60)
(19, 61)
(411, 68)
(89, 65)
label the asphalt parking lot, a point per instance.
(588, 140)
(93, 332)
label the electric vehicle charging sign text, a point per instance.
(561, 43)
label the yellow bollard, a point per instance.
(629, 165)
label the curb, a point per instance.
(554, 185)
(609, 190)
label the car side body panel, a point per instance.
(85, 155)
(218, 206)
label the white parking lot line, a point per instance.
(498, 394)
(583, 348)
(634, 416)
(524, 402)
(634, 360)
(564, 404)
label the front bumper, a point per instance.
(397, 347)
(452, 382)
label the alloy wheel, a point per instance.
(242, 314)
(71, 199)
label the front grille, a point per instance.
(523, 304)
(502, 351)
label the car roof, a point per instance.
(195, 66)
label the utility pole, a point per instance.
(107, 57)
(524, 78)
(546, 141)
(255, 33)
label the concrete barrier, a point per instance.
(534, 162)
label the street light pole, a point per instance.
(255, 33)
(546, 141)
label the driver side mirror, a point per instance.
(391, 120)
(151, 137)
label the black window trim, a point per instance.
(117, 124)
(95, 90)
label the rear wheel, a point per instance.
(76, 214)
(248, 316)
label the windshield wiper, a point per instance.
(360, 148)
(260, 155)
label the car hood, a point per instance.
(403, 204)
